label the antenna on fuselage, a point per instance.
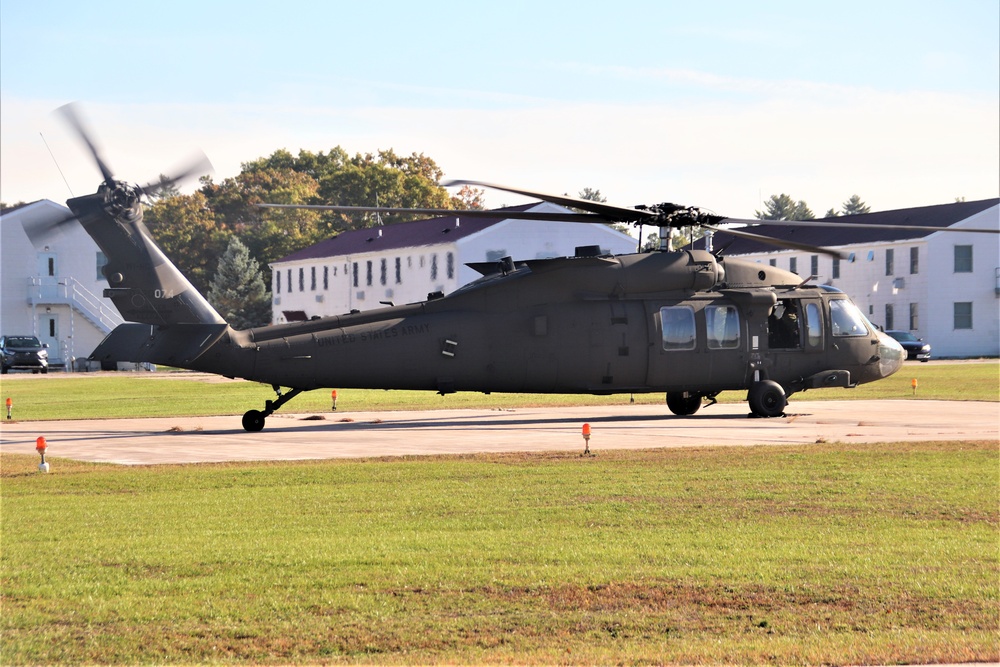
(58, 168)
(804, 283)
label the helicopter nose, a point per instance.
(890, 355)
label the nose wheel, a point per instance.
(253, 420)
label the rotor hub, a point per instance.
(674, 216)
(121, 200)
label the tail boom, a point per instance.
(142, 283)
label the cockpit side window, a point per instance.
(722, 326)
(814, 326)
(677, 323)
(846, 319)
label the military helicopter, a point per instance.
(687, 323)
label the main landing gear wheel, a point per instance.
(683, 403)
(767, 399)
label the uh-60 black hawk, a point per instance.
(689, 323)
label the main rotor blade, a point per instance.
(446, 212)
(69, 112)
(609, 212)
(859, 225)
(780, 243)
(199, 166)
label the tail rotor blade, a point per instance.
(198, 166)
(69, 112)
(43, 229)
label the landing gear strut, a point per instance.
(253, 420)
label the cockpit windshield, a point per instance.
(846, 319)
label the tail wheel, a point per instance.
(767, 399)
(253, 421)
(683, 403)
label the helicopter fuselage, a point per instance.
(661, 322)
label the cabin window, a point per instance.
(846, 319)
(814, 324)
(722, 325)
(677, 324)
(783, 325)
